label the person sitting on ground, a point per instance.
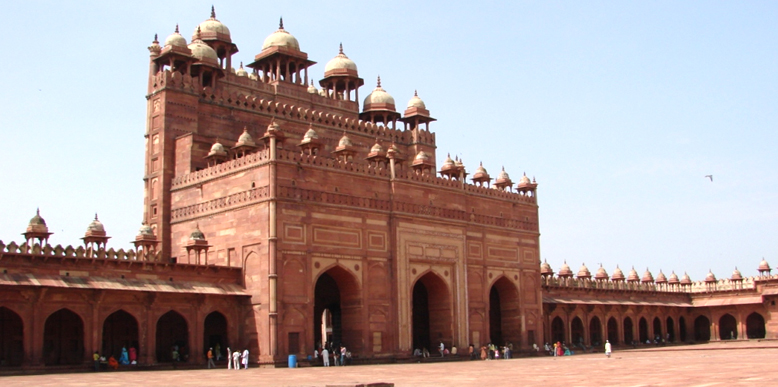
(453, 350)
(425, 352)
(417, 353)
(471, 352)
(113, 363)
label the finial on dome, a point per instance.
(177, 28)
(38, 211)
(341, 49)
(197, 34)
(241, 64)
(156, 38)
(379, 81)
(213, 12)
(96, 216)
(281, 23)
(415, 93)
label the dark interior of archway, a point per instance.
(643, 329)
(595, 332)
(671, 329)
(495, 317)
(11, 338)
(557, 330)
(327, 296)
(629, 335)
(215, 333)
(701, 329)
(682, 328)
(657, 328)
(421, 317)
(576, 331)
(727, 327)
(120, 329)
(172, 332)
(613, 331)
(63, 338)
(755, 328)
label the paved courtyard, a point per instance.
(718, 364)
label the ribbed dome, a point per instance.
(764, 266)
(524, 180)
(200, 50)
(480, 172)
(584, 272)
(422, 156)
(197, 234)
(673, 279)
(244, 139)
(736, 276)
(545, 268)
(378, 96)
(37, 220)
(312, 89)
(376, 148)
(565, 270)
(310, 134)
(416, 101)
(345, 141)
(281, 38)
(660, 278)
(145, 229)
(633, 275)
(686, 280)
(601, 274)
(213, 25)
(175, 39)
(95, 225)
(448, 164)
(217, 149)
(340, 62)
(503, 175)
(647, 277)
(241, 72)
(710, 277)
(618, 275)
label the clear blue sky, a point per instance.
(619, 109)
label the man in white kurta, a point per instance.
(607, 348)
(244, 358)
(325, 357)
(236, 359)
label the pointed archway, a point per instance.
(336, 310)
(215, 333)
(658, 330)
(682, 328)
(727, 327)
(629, 335)
(643, 330)
(63, 338)
(670, 330)
(504, 316)
(557, 330)
(595, 332)
(613, 331)
(11, 338)
(431, 314)
(755, 327)
(701, 329)
(172, 335)
(120, 330)
(576, 331)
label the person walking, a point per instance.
(236, 360)
(607, 348)
(210, 358)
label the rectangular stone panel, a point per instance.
(503, 254)
(340, 237)
(474, 249)
(294, 233)
(376, 241)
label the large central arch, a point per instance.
(337, 299)
(727, 327)
(432, 316)
(172, 333)
(12, 338)
(215, 333)
(504, 314)
(63, 338)
(120, 330)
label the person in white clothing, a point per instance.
(325, 357)
(442, 348)
(607, 348)
(244, 358)
(229, 358)
(236, 360)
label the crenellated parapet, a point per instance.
(222, 169)
(218, 205)
(77, 252)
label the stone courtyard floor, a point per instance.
(715, 364)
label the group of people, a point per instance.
(125, 358)
(492, 351)
(558, 349)
(236, 358)
(339, 354)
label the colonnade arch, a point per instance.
(595, 331)
(755, 326)
(727, 327)
(613, 331)
(701, 329)
(336, 309)
(11, 338)
(215, 332)
(120, 330)
(658, 328)
(504, 312)
(682, 328)
(643, 330)
(172, 334)
(431, 311)
(629, 334)
(576, 331)
(557, 330)
(670, 329)
(63, 338)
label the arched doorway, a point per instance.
(12, 338)
(701, 329)
(658, 330)
(682, 328)
(755, 328)
(595, 332)
(215, 333)
(504, 316)
(120, 330)
(336, 310)
(629, 335)
(670, 330)
(643, 329)
(557, 330)
(727, 327)
(172, 334)
(613, 331)
(63, 338)
(576, 331)
(432, 321)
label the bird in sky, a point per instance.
(710, 177)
